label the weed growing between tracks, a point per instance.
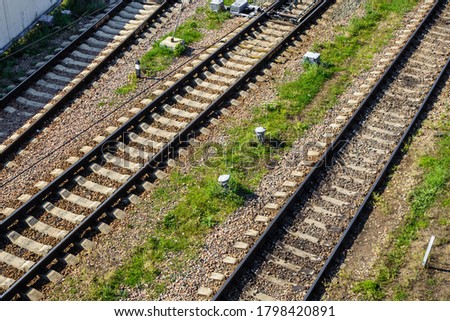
(349, 54)
(130, 86)
(433, 189)
(159, 58)
(181, 231)
(199, 202)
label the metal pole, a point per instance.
(137, 67)
(178, 21)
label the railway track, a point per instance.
(53, 225)
(291, 258)
(27, 108)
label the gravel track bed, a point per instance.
(5, 114)
(229, 244)
(9, 271)
(56, 82)
(45, 89)
(360, 262)
(55, 221)
(404, 106)
(18, 251)
(86, 109)
(197, 272)
(29, 62)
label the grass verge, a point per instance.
(130, 86)
(199, 203)
(159, 58)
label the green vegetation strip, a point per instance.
(434, 184)
(199, 203)
(159, 58)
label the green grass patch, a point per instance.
(159, 58)
(371, 288)
(128, 87)
(301, 92)
(189, 31)
(200, 203)
(213, 20)
(182, 230)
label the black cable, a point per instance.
(98, 121)
(110, 113)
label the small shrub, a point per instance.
(189, 32)
(179, 49)
(129, 87)
(369, 289)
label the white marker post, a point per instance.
(223, 180)
(137, 67)
(427, 253)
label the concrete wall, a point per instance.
(17, 15)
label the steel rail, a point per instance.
(119, 134)
(157, 160)
(310, 295)
(30, 131)
(60, 55)
(318, 168)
